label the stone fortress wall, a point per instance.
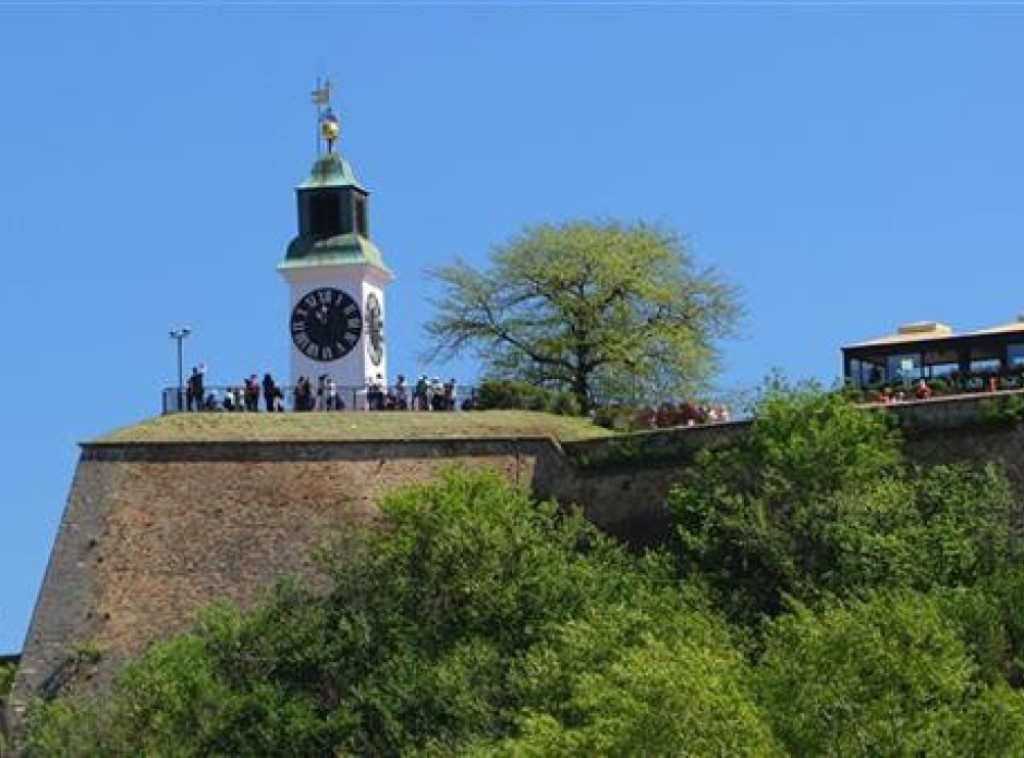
(152, 532)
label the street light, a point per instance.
(179, 335)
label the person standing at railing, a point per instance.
(252, 394)
(195, 394)
(321, 392)
(334, 401)
(435, 394)
(269, 392)
(420, 400)
(299, 395)
(190, 391)
(450, 396)
(375, 393)
(401, 394)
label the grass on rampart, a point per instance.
(353, 425)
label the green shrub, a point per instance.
(622, 418)
(508, 394)
(1003, 411)
(615, 417)
(887, 675)
(6, 679)
(7, 671)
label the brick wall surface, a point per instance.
(152, 533)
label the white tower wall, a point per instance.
(353, 369)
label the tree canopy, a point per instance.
(819, 500)
(608, 310)
(885, 675)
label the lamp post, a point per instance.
(179, 336)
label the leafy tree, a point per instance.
(817, 500)
(884, 675)
(607, 308)
(654, 680)
(747, 513)
(990, 621)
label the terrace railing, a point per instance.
(232, 399)
(949, 385)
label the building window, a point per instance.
(986, 366)
(903, 368)
(865, 373)
(1015, 355)
(986, 358)
(325, 215)
(361, 216)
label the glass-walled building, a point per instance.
(930, 350)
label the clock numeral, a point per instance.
(325, 296)
(350, 309)
(310, 300)
(326, 354)
(354, 324)
(350, 338)
(312, 350)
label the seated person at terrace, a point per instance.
(922, 391)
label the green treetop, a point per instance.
(603, 310)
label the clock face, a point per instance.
(374, 329)
(326, 324)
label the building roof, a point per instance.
(343, 250)
(1013, 326)
(331, 170)
(929, 331)
(914, 332)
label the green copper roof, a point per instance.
(343, 250)
(331, 170)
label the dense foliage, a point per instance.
(602, 310)
(823, 598)
(818, 500)
(886, 675)
(511, 394)
(7, 671)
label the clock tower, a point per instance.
(335, 274)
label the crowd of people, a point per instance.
(670, 414)
(324, 395)
(427, 394)
(920, 391)
(957, 383)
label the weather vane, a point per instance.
(328, 125)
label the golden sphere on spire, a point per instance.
(330, 128)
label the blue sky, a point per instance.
(849, 167)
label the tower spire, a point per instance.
(328, 125)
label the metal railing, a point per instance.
(949, 385)
(285, 399)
